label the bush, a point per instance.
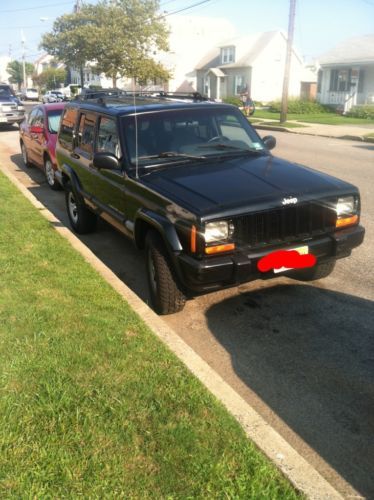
(299, 106)
(236, 101)
(365, 111)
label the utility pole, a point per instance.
(23, 60)
(287, 69)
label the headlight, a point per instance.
(346, 211)
(218, 231)
(346, 206)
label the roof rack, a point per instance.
(116, 94)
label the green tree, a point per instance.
(51, 78)
(15, 69)
(71, 39)
(119, 36)
(129, 33)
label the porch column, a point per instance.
(218, 88)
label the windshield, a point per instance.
(54, 120)
(5, 92)
(165, 136)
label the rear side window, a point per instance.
(66, 135)
(86, 133)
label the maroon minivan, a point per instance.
(38, 134)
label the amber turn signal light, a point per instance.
(347, 221)
(220, 248)
(193, 239)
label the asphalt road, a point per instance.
(301, 354)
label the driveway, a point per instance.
(301, 354)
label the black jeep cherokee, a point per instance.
(193, 184)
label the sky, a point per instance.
(319, 24)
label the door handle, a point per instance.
(74, 155)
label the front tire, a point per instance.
(81, 219)
(50, 175)
(317, 272)
(166, 294)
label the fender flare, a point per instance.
(162, 225)
(68, 172)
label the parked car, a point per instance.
(30, 95)
(11, 108)
(54, 96)
(194, 185)
(37, 135)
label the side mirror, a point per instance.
(269, 141)
(36, 129)
(105, 161)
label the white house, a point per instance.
(255, 63)
(346, 77)
(190, 37)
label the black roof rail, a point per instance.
(104, 96)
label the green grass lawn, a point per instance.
(92, 404)
(323, 118)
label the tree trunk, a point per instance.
(114, 81)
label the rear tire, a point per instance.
(81, 219)
(317, 272)
(50, 175)
(166, 294)
(25, 156)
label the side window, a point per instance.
(32, 116)
(107, 137)
(86, 133)
(66, 135)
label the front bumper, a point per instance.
(12, 117)
(213, 273)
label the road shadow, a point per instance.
(370, 147)
(308, 353)
(111, 247)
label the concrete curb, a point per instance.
(295, 131)
(300, 473)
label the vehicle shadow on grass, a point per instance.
(308, 353)
(112, 248)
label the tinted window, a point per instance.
(107, 137)
(86, 133)
(66, 134)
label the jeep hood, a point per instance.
(230, 185)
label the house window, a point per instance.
(227, 55)
(239, 85)
(340, 80)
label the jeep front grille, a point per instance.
(284, 224)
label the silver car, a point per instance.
(53, 96)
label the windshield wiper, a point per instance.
(172, 154)
(221, 145)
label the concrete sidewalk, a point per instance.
(351, 132)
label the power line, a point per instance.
(185, 8)
(36, 7)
